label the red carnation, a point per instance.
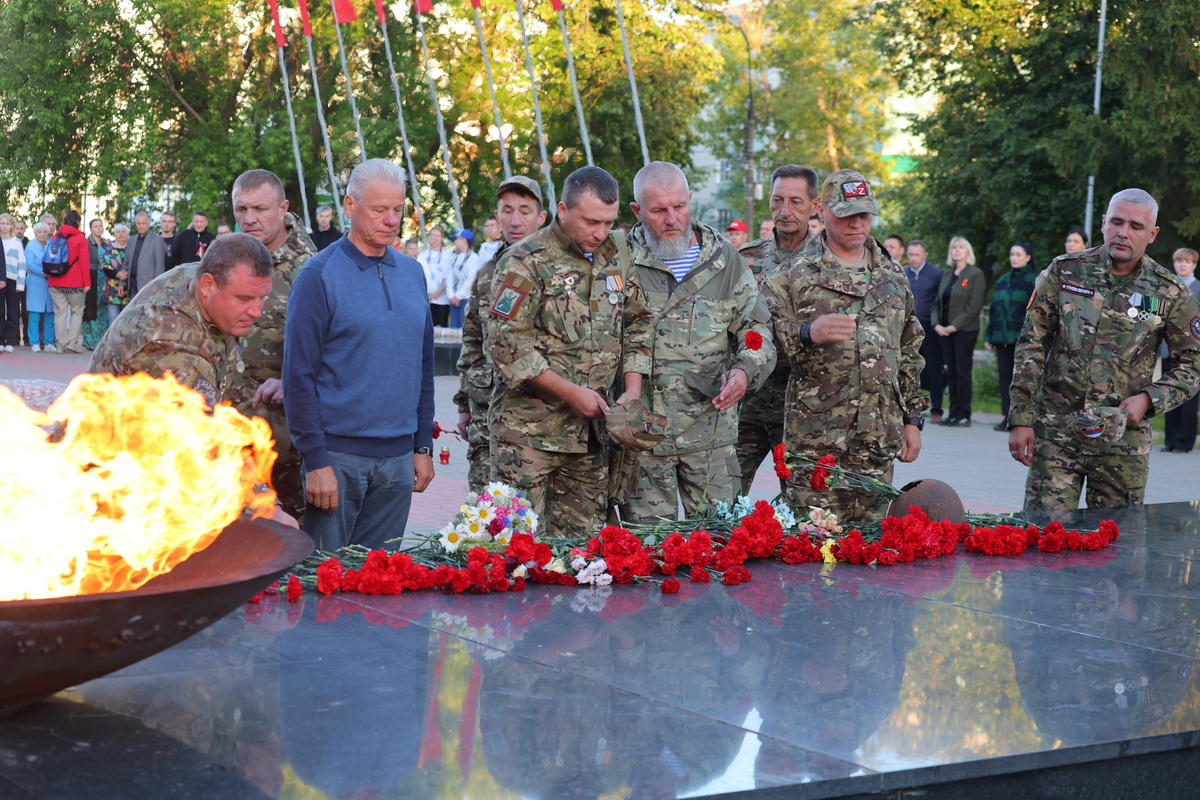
(294, 589)
(820, 473)
(754, 340)
(779, 453)
(437, 430)
(670, 586)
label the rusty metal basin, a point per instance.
(50, 644)
(936, 498)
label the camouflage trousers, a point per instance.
(569, 491)
(755, 442)
(1057, 474)
(853, 506)
(700, 479)
(479, 449)
(287, 474)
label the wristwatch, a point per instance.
(424, 451)
(918, 421)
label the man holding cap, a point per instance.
(518, 213)
(737, 234)
(462, 275)
(844, 315)
(1084, 389)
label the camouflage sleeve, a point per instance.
(638, 332)
(752, 315)
(511, 318)
(776, 294)
(912, 362)
(183, 360)
(1183, 338)
(472, 357)
(1033, 348)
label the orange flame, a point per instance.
(142, 477)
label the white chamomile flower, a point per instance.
(450, 538)
(473, 529)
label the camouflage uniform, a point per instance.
(849, 399)
(163, 330)
(552, 310)
(1079, 352)
(760, 423)
(475, 367)
(262, 351)
(701, 324)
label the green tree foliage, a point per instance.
(1012, 138)
(819, 88)
(124, 99)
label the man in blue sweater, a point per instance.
(358, 372)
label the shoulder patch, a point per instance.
(508, 299)
(1079, 290)
(208, 391)
(1195, 326)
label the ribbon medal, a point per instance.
(1135, 306)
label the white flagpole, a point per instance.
(316, 86)
(441, 125)
(412, 173)
(537, 113)
(362, 147)
(637, 106)
(287, 93)
(487, 69)
(583, 134)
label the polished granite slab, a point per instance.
(1053, 675)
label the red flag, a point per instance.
(475, 3)
(280, 41)
(380, 12)
(304, 17)
(344, 11)
(424, 6)
(556, 5)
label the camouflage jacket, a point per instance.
(552, 309)
(1080, 349)
(163, 330)
(262, 347)
(700, 327)
(474, 364)
(765, 406)
(858, 392)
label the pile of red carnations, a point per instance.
(619, 555)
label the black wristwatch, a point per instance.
(424, 451)
(918, 421)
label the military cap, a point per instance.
(522, 183)
(634, 426)
(846, 192)
(1103, 425)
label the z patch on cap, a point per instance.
(1195, 326)
(507, 301)
(856, 189)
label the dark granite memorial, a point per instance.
(1046, 676)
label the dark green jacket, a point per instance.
(1009, 301)
(966, 299)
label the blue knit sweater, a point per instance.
(358, 356)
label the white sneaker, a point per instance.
(36, 348)
(50, 349)
(8, 348)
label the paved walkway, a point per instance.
(973, 460)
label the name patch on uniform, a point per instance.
(1093, 431)
(508, 299)
(856, 189)
(1195, 327)
(1079, 290)
(207, 390)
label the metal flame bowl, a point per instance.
(48, 645)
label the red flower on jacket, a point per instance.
(754, 340)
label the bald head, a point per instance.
(659, 175)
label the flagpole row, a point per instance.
(537, 112)
(487, 68)
(583, 133)
(362, 147)
(287, 94)
(441, 125)
(412, 173)
(333, 183)
(637, 106)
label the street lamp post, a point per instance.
(748, 153)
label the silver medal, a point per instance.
(612, 298)
(1132, 313)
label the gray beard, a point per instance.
(668, 249)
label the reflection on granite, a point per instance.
(794, 681)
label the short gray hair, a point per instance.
(657, 173)
(1138, 197)
(324, 207)
(141, 214)
(41, 226)
(798, 171)
(374, 169)
(120, 226)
